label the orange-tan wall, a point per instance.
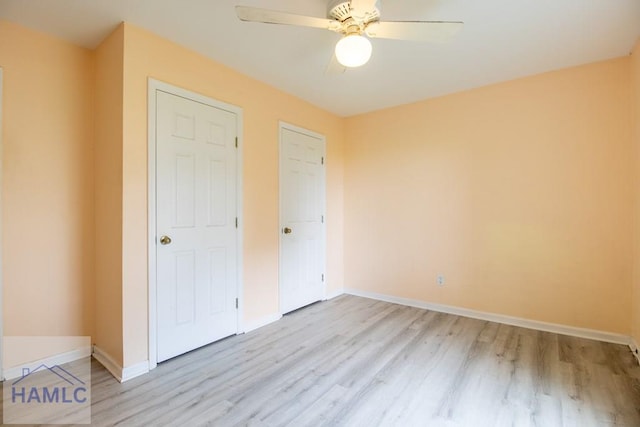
(75, 122)
(635, 81)
(519, 193)
(147, 55)
(47, 205)
(109, 58)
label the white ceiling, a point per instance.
(501, 40)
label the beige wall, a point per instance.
(75, 120)
(47, 205)
(520, 194)
(635, 81)
(108, 193)
(147, 55)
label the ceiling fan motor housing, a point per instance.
(340, 10)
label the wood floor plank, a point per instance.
(354, 361)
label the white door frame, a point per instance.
(155, 85)
(1, 269)
(284, 125)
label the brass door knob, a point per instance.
(287, 230)
(165, 240)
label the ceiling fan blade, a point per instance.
(429, 31)
(254, 14)
(334, 67)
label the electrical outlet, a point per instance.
(440, 280)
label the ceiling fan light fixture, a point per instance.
(353, 50)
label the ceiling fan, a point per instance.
(355, 19)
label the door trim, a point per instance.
(154, 86)
(1, 204)
(281, 126)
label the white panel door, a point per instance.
(302, 231)
(195, 224)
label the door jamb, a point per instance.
(281, 126)
(1, 258)
(154, 86)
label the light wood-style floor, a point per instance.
(358, 362)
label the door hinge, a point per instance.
(322, 219)
(323, 277)
(236, 303)
(322, 160)
(236, 222)
(236, 142)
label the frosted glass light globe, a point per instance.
(353, 50)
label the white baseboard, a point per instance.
(121, 374)
(633, 345)
(108, 362)
(130, 372)
(498, 318)
(260, 322)
(266, 320)
(58, 359)
(335, 293)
